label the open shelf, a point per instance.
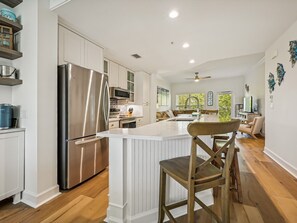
(11, 3)
(9, 54)
(10, 81)
(14, 25)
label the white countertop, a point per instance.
(157, 131)
(123, 118)
(3, 131)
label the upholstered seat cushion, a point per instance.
(180, 167)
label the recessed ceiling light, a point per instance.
(186, 45)
(173, 14)
(192, 61)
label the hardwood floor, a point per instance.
(269, 195)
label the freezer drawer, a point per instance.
(86, 157)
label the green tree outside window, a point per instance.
(225, 106)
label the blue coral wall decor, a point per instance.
(280, 72)
(271, 82)
(293, 52)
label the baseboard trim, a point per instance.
(36, 200)
(284, 164)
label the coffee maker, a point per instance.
(5, 116)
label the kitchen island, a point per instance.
(134, 156)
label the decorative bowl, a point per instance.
(7, 13)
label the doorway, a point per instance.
(225, 105)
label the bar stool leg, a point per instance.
(162, 192)
(237, 178)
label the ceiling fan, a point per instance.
(197, 78)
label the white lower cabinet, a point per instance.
(114, 125)
(139, 122)
(12, 150)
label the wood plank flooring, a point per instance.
(269, 195)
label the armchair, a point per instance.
(252, 128)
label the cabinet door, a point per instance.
(93, 57)
(139, 122)
(73, 48)
(113, 74)
(122, 77)
(114, 125)
(11, 164)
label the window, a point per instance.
(162, 96)
(192, 102)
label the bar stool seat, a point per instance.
(179, 167)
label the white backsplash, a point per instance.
(137, 109)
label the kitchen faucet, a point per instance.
(188, 99)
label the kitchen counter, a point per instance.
(134, 156)
(3, 131)
(172, 128)
(124, 118)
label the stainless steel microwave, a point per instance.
(119, 93)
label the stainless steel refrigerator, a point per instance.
(83, 110)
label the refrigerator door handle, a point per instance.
(87, 141)
(106, 105)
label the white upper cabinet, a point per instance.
(122, 77)
(75, 49)
(117, 75)
(93, 57)
(71, 47)
(113, 74)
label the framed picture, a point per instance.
(210, 98)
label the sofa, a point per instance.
(163, 115)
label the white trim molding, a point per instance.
(284, 164)
(36, 200)
(54, 4)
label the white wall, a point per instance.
(25, 95)
(255, 79)
(234, 84)
(281, 118)
(47, 98)
(37, 97)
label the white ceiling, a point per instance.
(226, 37)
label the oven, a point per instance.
(128, 123)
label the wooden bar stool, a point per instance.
(234, 170)
(196, 174)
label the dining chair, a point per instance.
(196, 174)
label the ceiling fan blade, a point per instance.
(189, 78)
(205, 77)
